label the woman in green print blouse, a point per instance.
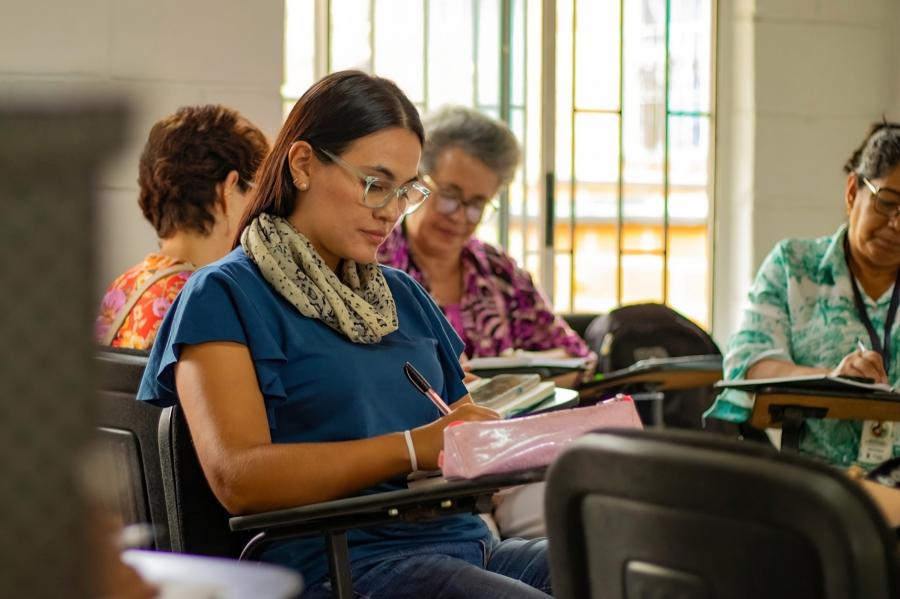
(814, 298)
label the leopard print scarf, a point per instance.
(360, 308)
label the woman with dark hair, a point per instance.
(194, 173)
(287, 355)
(814, 302)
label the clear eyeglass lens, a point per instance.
(446, 204)
(375, 194)
(887, 203)
(888, 209)
(449, 205)
(378, 195)
(414, 196)
(473, 213)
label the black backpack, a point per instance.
(640, 331)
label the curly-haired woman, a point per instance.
(194, 174)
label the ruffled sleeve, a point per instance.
(213, 307)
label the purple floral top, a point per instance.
(500, 309)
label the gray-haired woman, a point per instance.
(815, 301)
(492, 304)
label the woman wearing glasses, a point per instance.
(829, 305)
(194, 174)
(492, 303)
(287, 356)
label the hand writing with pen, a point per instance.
(862, 362)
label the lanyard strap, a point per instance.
(884, 348)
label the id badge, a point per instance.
(876, 444)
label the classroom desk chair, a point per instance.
(788, 408)
(667, 513)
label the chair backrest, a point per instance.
(681, 514)
(198, 522)
(580, 321)
(127, 432)
(157, 474)
(52, 150)
(639, 331)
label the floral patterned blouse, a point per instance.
(801, 310)
(501, 309)
(139, 328)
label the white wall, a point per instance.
(798, 84)
(159, 55)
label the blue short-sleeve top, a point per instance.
(318, 386)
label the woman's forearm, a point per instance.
(768, 369)
(272, 476)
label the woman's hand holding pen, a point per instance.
(428, 440)
(862, 363)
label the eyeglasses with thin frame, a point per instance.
(376, 194)
(886, 201)
(447, 202)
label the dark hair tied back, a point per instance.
(332, 114)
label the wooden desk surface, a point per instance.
(659, 380)
(666, 380)
(841, 406)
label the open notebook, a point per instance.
(511, 393)
(815, 382)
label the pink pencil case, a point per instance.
(473, 449)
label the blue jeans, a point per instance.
(511, 569)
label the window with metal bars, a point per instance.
(611, 100)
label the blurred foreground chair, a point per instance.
(635, 514)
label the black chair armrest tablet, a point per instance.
(425, 502)
(335, 518)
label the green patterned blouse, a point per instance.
(801, 310)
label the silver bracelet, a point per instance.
(411, 450)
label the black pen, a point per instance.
(419, 382)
